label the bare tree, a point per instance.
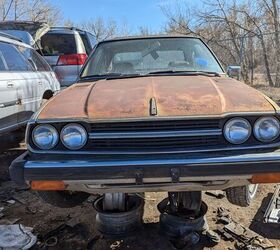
(271, 10)
(30, 10)
(235, 30)
(100, 29)
(5, 7)
(143, 31)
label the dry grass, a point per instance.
(272, 92)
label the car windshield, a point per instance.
(150, 56)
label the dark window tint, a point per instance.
(12, 59)
(35, 59)
(86, 43)
(58, 44)
(92, 39)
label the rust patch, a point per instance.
(70, 103)
(174, 96)
(241, 97)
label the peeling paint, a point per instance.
(174, 96)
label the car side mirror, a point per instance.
(234, 72)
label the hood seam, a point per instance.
(221, 96)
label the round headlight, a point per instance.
(267, 129)
(237, 130)
(45, 136)
(73, 136)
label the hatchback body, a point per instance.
(26, 80)
(152, 114)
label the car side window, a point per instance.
(86, 43)
(3, 64)
(12, 58)
(91, 39)
(35, 59)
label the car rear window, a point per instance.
(58, 44)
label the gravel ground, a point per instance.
(80, 233)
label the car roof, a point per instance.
(126, 38)
(65, 30)
(12, 40)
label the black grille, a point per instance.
(153, 142)
(155, 125)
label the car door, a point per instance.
(45, 77)
(31, 91)
(9, 103)
(11, 80)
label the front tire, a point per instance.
(242, 196)
(63, 199)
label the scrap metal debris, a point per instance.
(11, 202)
(244, 237)
(216, 194)
(16, 237)
(272, 213)
(70, 231)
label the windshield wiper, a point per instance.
(109, 76)
(184, 72)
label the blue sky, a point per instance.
(134, 13)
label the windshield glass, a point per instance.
(144, 56)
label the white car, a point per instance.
(26, 81)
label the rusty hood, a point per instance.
(166, 95)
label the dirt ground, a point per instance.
(74, 228)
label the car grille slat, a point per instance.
(154, 143)
(159, 135)
(155, 125)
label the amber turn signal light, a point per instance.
(265, 178)
(47, 185)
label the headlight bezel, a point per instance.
(258, 121)
(236, 119)
(53, 129)
(77, 125)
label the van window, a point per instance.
(92, 39)
(12, 58)
(86, 43)
(58, 44)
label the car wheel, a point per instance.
(242, 196)
(63, 199)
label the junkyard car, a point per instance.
(64, 48)
(152, 114)
(26, 82)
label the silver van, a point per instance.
(26, 81)
(66, 50)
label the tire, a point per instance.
(242, 196)
(63, 199)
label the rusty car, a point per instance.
(151, 114)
